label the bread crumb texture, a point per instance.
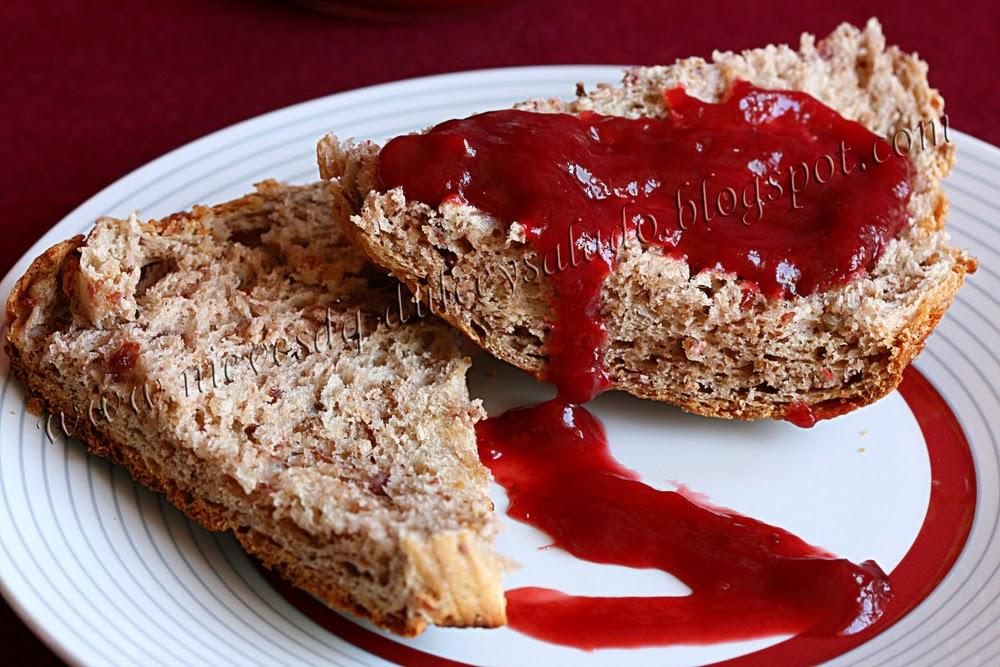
(351, 469)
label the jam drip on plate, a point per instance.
(748, 579)
(773, 186)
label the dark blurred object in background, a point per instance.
(394, 9)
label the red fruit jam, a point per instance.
(801, 415)
(773, 186)
(748, 579)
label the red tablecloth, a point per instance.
(91, 90)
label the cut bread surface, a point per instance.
(688, 339)
(225, 347)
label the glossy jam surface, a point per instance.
(123, 360)
(801, 415)
(773, 186)
(748, 579)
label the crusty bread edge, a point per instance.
(42, 276)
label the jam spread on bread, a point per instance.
(772, 186)
(747, 579)
(801, 415)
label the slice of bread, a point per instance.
(347, 463)
(684, 338)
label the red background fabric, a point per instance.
(92, 90)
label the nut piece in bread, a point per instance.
(683, 338)
(347, 463)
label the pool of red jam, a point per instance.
(773, 186)
(748, 579)
(930, 558)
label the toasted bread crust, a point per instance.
(453, 576)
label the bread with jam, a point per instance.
(696, 323)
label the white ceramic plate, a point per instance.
(108, 573)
